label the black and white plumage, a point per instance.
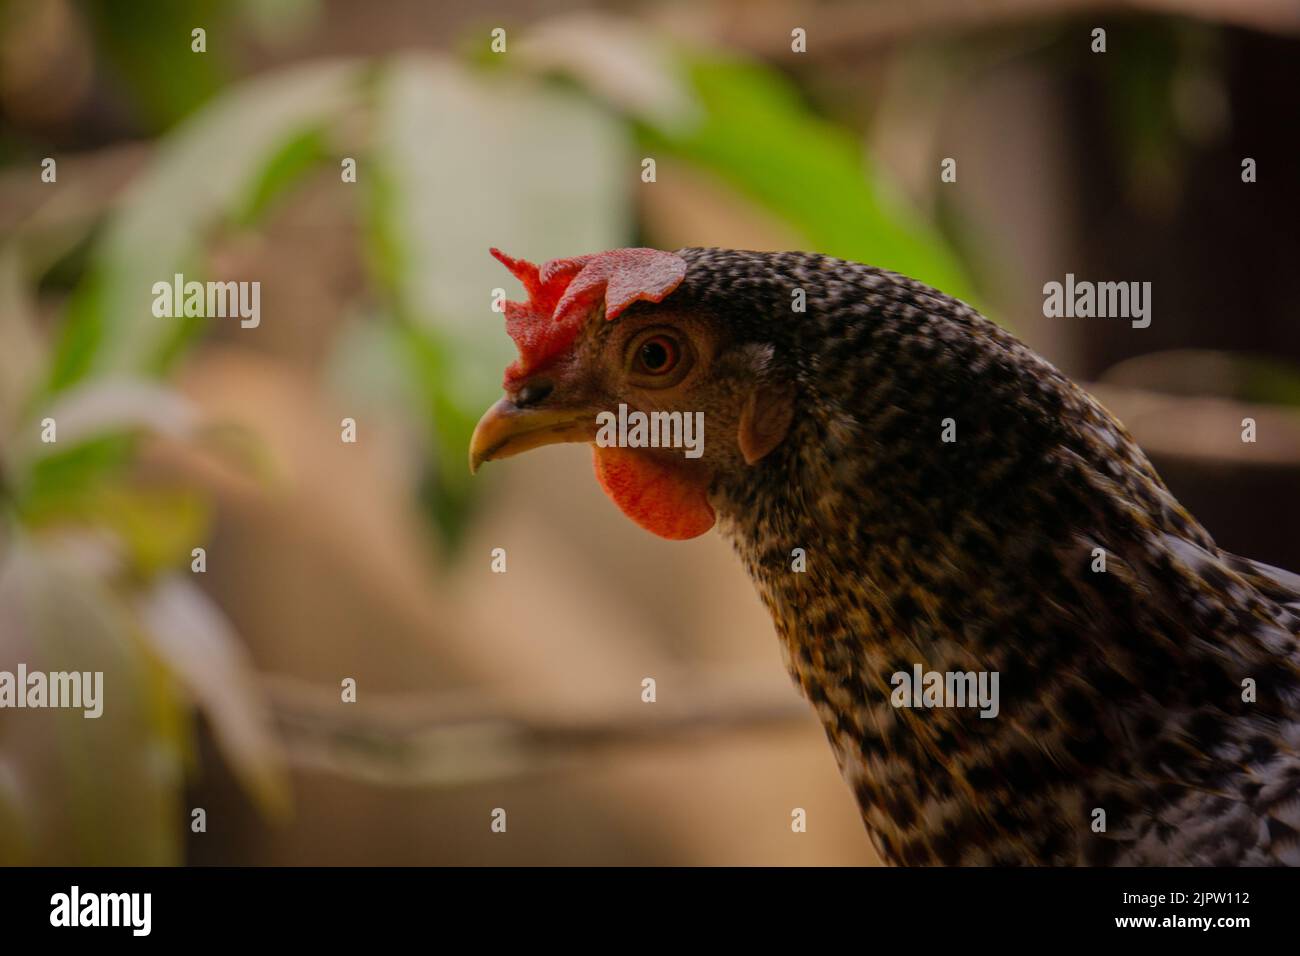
(1149, 713)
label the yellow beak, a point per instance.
(506, 429)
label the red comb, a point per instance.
(562, 292)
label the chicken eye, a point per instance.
(657, 356)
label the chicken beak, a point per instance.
(506, 429)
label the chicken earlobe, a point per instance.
(764, 420)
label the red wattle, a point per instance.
(662, 498)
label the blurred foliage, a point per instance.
(147, 43)
(1199, 373)
(88, 583)
(215, 169)
(85, 791)
(759, 135)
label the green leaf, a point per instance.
(284, 169)
(757, 134)
(223, 163)
(88, 791)
(199, 647)
(23, 351)
(55, 485)
(552, 168)
(80, 477)
(94, 423)
(157, 527)
(148, 44)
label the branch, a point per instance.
(452, 740)
(764, 28)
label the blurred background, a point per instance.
(324, 561)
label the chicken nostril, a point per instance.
(533, 393)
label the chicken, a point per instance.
(915, 492)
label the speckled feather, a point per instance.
(1119, 690)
